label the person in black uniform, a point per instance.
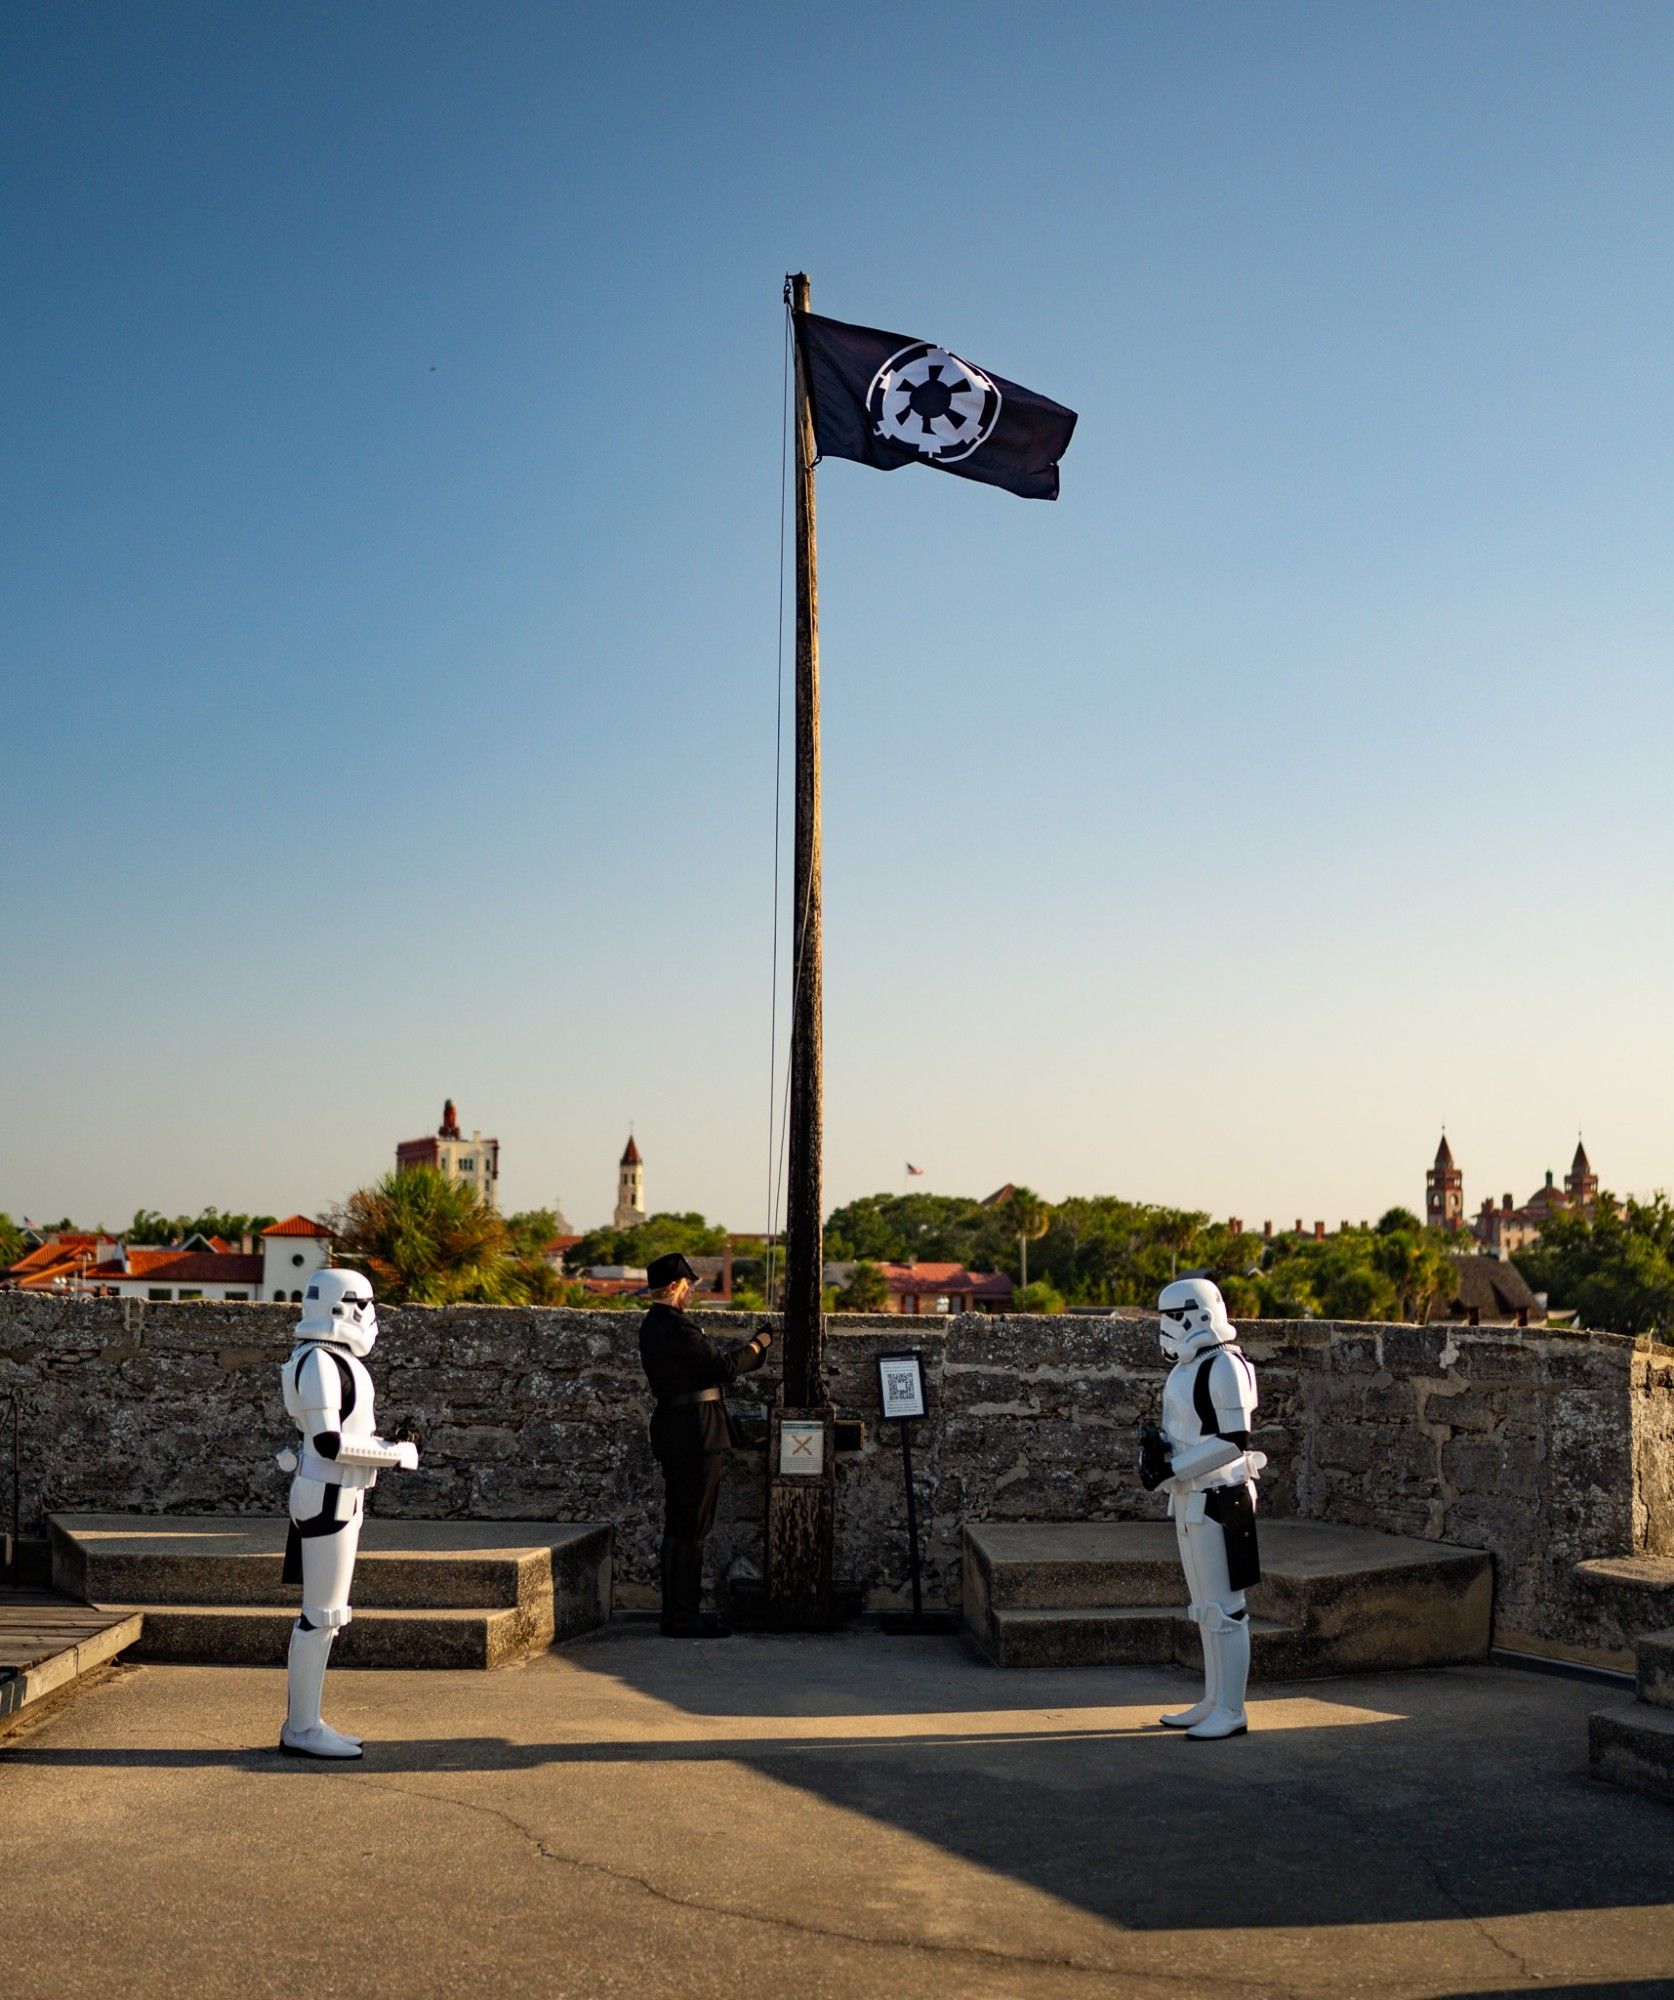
(690, 1434)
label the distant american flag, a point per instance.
(911, 1169)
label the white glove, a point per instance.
(406, 1457)
(286, 1460)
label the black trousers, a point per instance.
(691, 1487)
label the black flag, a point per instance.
(889, 401)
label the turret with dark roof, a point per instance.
(1581, 1183)
(1444, 1191)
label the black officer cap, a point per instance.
(661, 1272)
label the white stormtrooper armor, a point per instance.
(328, 1393)
(1209, 1405)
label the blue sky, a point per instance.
(388, 533)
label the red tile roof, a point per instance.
(906, 1278)
(630, 1157)
(45, 1255)
(297, 1225)
(51, 1278)
(172, 1267)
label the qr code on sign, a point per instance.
(902, 1387)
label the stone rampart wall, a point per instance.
(1542, 1448)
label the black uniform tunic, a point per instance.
(690, 1438)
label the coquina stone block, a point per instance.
(1541, 1448)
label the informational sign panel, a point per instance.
(900, 1386)
(801, 1450)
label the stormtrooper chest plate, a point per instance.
(1180, 1420)
(353, 1381)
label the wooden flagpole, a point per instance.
(801, 1509)
(804, 1245)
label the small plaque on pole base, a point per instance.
(801, 1520)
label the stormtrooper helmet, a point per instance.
(1193, 1318)
(338, 1306)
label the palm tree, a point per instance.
(1420, 1272)
(1031, 1218)
(1176, 1228)
(428, 1241)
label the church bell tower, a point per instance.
(630, 1188)
(1581, 1183)
(1444, 1191)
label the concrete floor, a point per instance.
(856, 1816)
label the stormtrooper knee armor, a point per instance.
(328, 1393)
(1210, 1472)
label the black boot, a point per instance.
(665, 1578)
(683, 1613)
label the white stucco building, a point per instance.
(207, 1268)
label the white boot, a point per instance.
(304, 1734)
(1185, 1718)
(1227, 1644)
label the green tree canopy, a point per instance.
(151, 1226)
(1615, 1269)
(655, 1237)
(1356, 1274)
(531, 1230)
(934, 1228)
(866, 1292)
(427, 1240)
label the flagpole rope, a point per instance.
(778, 770)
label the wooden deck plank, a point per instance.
(47, 1641)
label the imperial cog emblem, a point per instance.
(929, 401)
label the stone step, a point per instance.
(426, 1593)
(1078, 1636)
(1628, 1597)
(1127, 1636)
(259, 1635)
(1632, 1744)
(1330, 1600)
(1079, 1565)
(1654, 1655)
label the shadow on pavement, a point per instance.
(1387, 1799)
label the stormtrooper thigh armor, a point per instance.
(1209, 1405)
(328, 1393)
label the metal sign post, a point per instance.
(901, 1401)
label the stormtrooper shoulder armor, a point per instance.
(1231, 1384)
(320, 1385)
